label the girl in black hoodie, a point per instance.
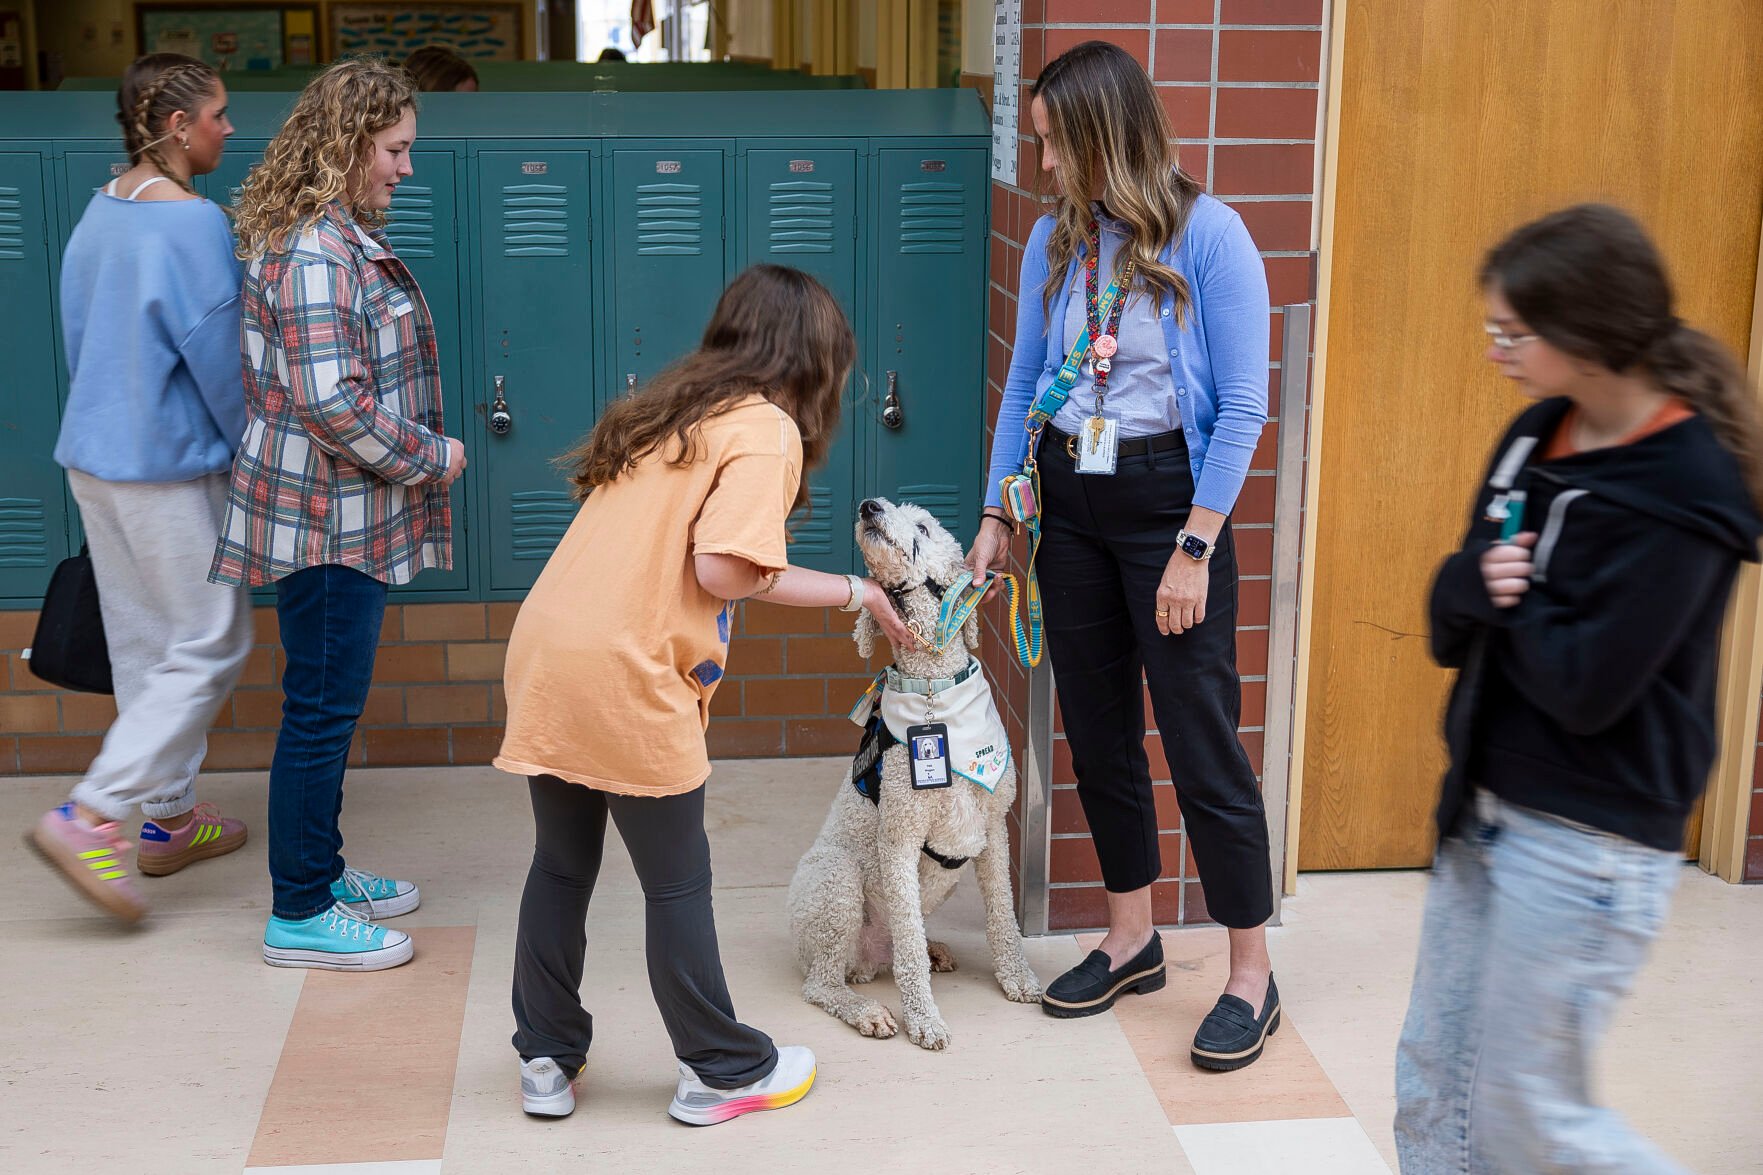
(1583, 614)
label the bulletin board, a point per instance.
(483, 30)
(228, 38)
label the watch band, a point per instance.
(1181, 542)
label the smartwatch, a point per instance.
(1195, 547)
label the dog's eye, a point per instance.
(924, 530)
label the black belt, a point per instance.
(1163, 442)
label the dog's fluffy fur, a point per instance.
(860, 895)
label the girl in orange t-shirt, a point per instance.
(687, 489)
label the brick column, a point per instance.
(1240, 80)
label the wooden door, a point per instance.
(1457, 122)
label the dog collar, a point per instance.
(901, 684)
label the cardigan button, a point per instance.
(1181, 391)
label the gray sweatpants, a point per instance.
(177, 642)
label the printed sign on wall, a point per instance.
(1006, 88)
(484, 31)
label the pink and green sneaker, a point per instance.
(90, 857)
(208, 834)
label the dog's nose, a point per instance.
(868, 509)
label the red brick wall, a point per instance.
(1240, 80)
(437, 693)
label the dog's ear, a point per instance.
(864, 633)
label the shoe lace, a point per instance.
(340, 919)
(358, 882)
(109, 831)
(205, 813)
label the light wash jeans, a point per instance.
(1535, 927)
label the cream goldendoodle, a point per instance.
(891, 852)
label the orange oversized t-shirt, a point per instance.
(618, 649)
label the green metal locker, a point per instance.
(537, 335)
(801, 211)
(33, 494)
(668, 266)
(928, 354)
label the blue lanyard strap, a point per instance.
(1047, 405)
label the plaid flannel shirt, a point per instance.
(343, 453)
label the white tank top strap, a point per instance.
(110, 188)
(145, 184)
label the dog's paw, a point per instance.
(942, 959)
(1021, 987)
(927, 1032)
(861, 977)
(875, 1021)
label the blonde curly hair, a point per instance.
(316, 156)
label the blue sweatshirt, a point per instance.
(150, 311)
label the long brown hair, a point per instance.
(776, 332)
(1589, 280)
(154, 88)
(1107, 124)
(315, 157)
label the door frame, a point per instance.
(1727, 803)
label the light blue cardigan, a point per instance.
(1218, 358)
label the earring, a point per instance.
(186, 143)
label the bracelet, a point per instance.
(771, 582)
(1001, 516)
(855, 603)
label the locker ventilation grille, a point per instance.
(11, 225)
(932, 216)
(941, 499)
(24, 537)
(813, 535)
(670, 220)
(801, 218)
(410, 223)
(535, 220)
(540, 518)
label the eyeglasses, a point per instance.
(1504, 341)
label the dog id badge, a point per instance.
(929, 747)
(1098, 445)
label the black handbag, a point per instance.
(69, 649)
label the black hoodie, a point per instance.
(1593, 698)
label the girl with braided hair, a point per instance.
(155, 411)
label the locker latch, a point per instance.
(892, 414)
(500, 419)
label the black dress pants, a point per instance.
(1106, 541)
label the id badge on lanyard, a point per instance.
(1098, 445)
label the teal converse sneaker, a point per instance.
(367, 896)
(335, 940)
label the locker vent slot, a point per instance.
(410, 223)
(940, 498)
(535, 220)
(932, 216)
(11, 225)
(24, 535)
(801, 217)
(670, 220)
(540, 518)
(813, 534)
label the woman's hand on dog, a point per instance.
(991, 547)
(881, 610)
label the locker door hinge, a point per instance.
(590, 228)
(724, 228)
(455, 230)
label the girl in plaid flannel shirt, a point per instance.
(340, 487)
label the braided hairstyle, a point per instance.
(156, 87)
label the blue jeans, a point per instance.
(1535, 927)
(330, 620)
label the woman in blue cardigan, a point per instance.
(1140, 470)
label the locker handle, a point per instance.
(630, 381)
(501, 420)
(893, 416)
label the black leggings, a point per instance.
(1107, 540)
(665, 836)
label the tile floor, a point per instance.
(174, 1049)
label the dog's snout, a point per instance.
(868, 509)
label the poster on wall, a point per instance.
(486, 30)
(1006, 88)
(226, 38)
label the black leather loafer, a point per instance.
(1092, 987)
(1232, 1036)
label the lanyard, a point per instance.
(1106, 342)
(1050, 401)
